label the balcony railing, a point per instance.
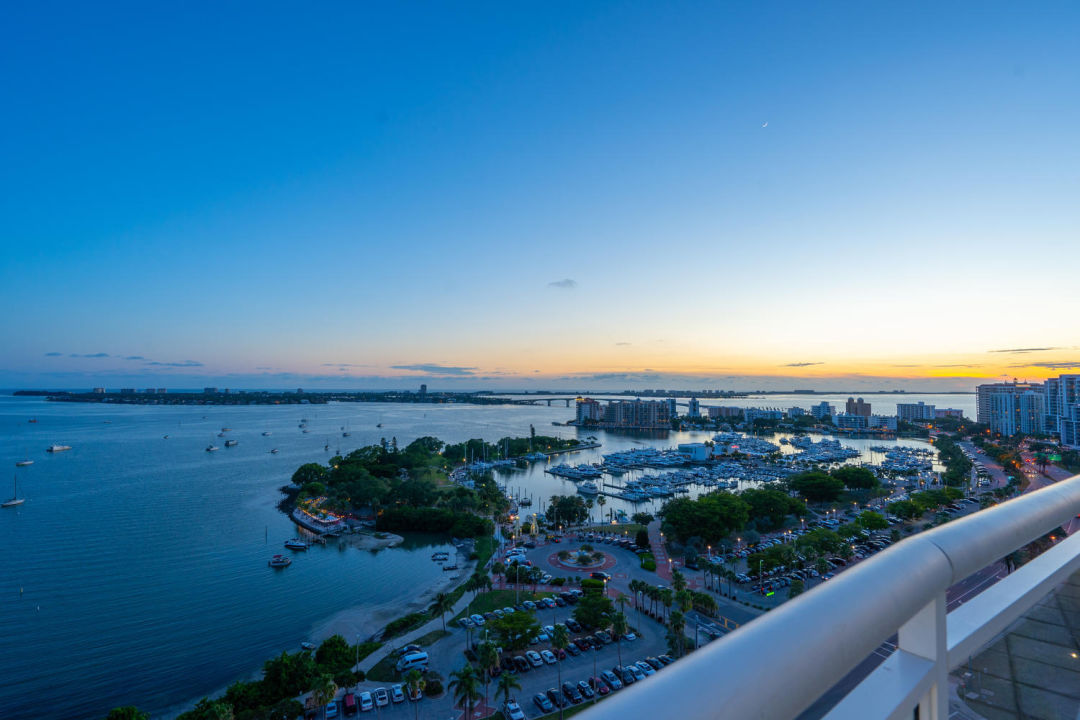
(778, 665)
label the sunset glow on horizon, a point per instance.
(611, 196)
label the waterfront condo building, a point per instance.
(589, 411)
(858, 407)
(1062, 407)
(1011, 408)
(695, 408)
(822, 409)
(915, 412)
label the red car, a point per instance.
(599, 686)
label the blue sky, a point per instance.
(528, 194)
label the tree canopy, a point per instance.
(711, 517)
(816, 486)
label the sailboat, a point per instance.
(24, 463)
(345, 431)
(15, 499)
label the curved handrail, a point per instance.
(777, 665)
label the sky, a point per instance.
(539, 195)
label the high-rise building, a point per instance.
(822, 409)
(858, 407)
(915, 411)
(1062, 407)
(1009, 408)
(672, 408)
(423, 389)
(588, 410)
(695, 408)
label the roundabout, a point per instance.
(606, 562)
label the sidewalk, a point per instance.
(390, 646)
(656, 544)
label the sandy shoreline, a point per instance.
(362, 620)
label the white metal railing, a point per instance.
(776, 666)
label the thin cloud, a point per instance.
(1063, 365)
(1025, 350)
(802, 364)
(53, 354)
(435, 369)
(90, 355)
(181, 364)
(956, 366)
(623, 344)
(134, 357)
(564, 284)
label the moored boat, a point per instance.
(231, 443)
(280, 561)
(57, 448)
(296, 544)
(24, 463)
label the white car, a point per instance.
(629, 636)
(513, 711)
(534, 658)
(366, 702)
(549, 657)
(478, 619)
(397, 693)
(382, 699)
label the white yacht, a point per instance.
(57, 448)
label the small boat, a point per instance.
(280, 561)
(165, 437)
(449, 567)
(33, 420)
(221, 434)
(274, 451)
(296, 544)
(266, 433)
(231, 443)
(307, 646)
(24, 463)
(225, 429)
(15, 499)
(57, 448)
(211, 447)
(305, 430)
(326, 446)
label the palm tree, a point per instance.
(323, 691)
(684, 599)
(507, 684)
(678, 580)
(463, 685)
(442, 605)
(666, 597)
(559, 640)
(618, 629)
(677, 623)
(488, 657)
(601, 501)
(415, 682)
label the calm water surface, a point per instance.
(135, 573)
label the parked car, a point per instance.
(583, 643)
(571, 692)
(573, 625)
(624, 674)
(478, 619)
(666, 659)
(556, 698)
(542, 703)
(645, 668)
(513, 711)
(534, 658)
(629, 636)
(521, 664)
(604, 636)
(348, 704)
(655, 662)
(611, 679)
(573, 649)
(367, 702)
(382, 698)
(331, 710)
(397, 693)
(586, 691)
(549, 657)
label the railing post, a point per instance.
(925, 635)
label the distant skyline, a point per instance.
(526, 196)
